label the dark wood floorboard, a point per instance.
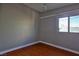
(40, 49)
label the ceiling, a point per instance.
(42, 7)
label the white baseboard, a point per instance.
(73, 51)
(12, 49)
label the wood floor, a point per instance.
(40, 49)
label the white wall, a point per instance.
(18, 25)
(49, 29)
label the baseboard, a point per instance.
(73, 51)
(12, 49)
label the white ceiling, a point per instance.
(48, 6)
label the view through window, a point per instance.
(74, 24)
(70, 24)
(63, 24)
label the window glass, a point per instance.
(74, 24)
(63, 24)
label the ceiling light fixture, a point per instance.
(44, 7)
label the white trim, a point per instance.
(12, 49)
(73, 51)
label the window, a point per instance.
(63, 24)
(69, 24)
(74, 24)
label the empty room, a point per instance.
(39, 29)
